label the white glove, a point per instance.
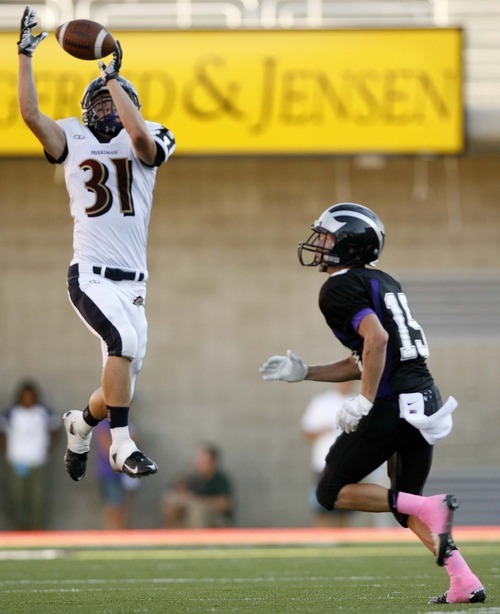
(351, 412)
(27, 42)
(289, 368)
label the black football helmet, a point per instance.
(98, 109)
(358, 234)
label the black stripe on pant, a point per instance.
(94, 317)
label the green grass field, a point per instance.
(368, 578)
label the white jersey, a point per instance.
(111, 195)
(28, 432)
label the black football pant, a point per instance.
(381, 436)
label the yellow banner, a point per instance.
(267, 92)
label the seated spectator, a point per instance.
(201, 499)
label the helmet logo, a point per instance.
(334, 226)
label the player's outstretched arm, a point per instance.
(343, 370)
(130, 116)
(47, 131)
(291, 368)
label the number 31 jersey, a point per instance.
(111, 194)
(350, 295)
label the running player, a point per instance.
(398, 415)
(110, 163)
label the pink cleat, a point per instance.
(437, 514)
(476, 596)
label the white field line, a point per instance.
(279, 552)
(270, 553)
(94, 584)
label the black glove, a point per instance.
(27, 43)
(112, 70)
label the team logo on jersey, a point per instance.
(139, 300)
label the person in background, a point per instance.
(201, 499)
(29, 430)
(117, 490)
(319, 428)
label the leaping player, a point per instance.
(110, 163)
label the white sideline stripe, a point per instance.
(268, 553)
(108, 583)
(210, 580)
(232, 553)
(30, 555)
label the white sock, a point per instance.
(82, 428)
(119, 436)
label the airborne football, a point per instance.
(85, 39)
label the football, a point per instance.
(85, 39)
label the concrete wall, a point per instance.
(225, 292)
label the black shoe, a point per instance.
(477, 596)
(75, 464)
(138, 465)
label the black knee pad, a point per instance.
(327, 492)
(401, 518)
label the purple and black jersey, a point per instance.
(350, 295)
